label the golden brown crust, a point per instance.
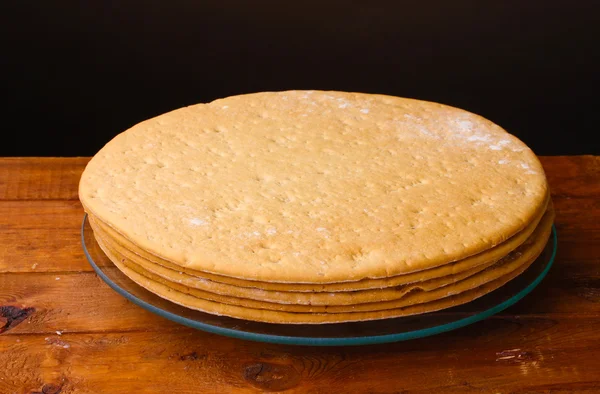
(315, 187)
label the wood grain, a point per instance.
(573, 176)
(42, 178)
(41, 236)
(497, 355)
(76, 335)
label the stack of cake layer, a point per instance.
(308, 207)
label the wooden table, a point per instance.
(62, 330)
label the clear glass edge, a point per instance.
(310, 341)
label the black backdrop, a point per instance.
(74, 74)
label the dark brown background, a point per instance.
(74, 74)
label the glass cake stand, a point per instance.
(339, 334)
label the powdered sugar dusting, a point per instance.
(198, 222)
(427, 132)
(323, 231)
(416, 122)
(498, 145)
(526, 166)
(307, 94)
(479, 137)
(364, 110)
(250, 234)
(343, 103)
(465, 125)
(471, 131)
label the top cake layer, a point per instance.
(315, 187)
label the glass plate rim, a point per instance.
(311, 341)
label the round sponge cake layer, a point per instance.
(314, 187)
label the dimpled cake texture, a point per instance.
(315, 187)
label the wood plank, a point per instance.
(577, 218)
(72, 302)
(44, 236)
(578, 227)
(573, 176)
(40, 178)
(499, 355)
(41, 236)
